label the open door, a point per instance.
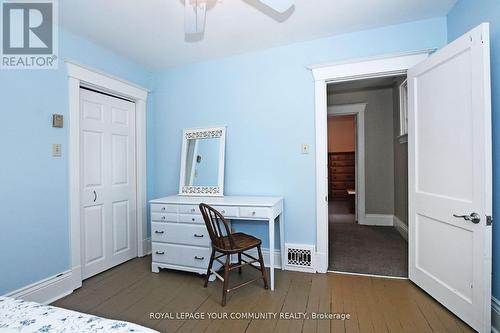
(450, 196)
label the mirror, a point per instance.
(202, 162)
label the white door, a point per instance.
(450, 175)
(108, 182)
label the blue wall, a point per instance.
(464, 16)
(266, 99)
(34, 227)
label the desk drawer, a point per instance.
(254, 212)
(164, 217)
(189, 209)
(187, 234)
(189, 218)
(161, 208)
(181, 255)
(228, 211)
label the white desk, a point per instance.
(180, 239)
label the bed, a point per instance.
(22, 316)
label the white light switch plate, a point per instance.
(305, 149)
(56, 150)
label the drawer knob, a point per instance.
(223, 212)
(163, 208)
(253, 213)
(163, 217)
(198, 236)
(193, 210)
(159, 232)
(193, 219)
(199, 258)
(158, 252)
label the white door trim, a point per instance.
(340, 72)
(82, 76)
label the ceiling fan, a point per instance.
(195, 12)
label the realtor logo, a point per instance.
(29, 34)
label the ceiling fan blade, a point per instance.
(194, 16)
(280, 6)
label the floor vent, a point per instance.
(300, 257)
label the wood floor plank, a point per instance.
(295, 303)
(337, 302)
(132, 293)
(318, 302)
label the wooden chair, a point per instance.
(227, 244)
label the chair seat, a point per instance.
(242, 242)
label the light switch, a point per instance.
(56, 150)
(305, 149)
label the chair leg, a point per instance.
(226, 279)
(209, 268)
(239, 263)
(263, 268)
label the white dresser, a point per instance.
(180, 239)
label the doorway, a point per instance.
(450, 196)
(365, 241)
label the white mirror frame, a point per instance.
(203, 133)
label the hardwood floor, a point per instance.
(131, 292)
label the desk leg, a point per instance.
(282, 240)
(271, 251)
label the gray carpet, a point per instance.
(339, 212)
(373, 250)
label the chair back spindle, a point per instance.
(217, 226)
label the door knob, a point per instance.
(474, 217)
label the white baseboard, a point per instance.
(146, 247)
(47, 290)
(376, 219)
(495, 315)
(401, 227)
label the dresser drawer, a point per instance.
(164, 217)
(254, 212)
(339, 193)
(342, 163)
(342, 177)
(190, 218)
(228, 211)
(181, 255)
(161, 208)
(343, 169)
(189, 209)
(187, 234)
(338, 185)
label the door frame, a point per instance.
(357, 69)
(83, 76)
(357, 110)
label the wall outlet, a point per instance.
(305, 149)
(56, 150)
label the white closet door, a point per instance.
(108, 182)
(450, 198)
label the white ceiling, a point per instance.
(151, 32)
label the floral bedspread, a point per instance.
(22, 316)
